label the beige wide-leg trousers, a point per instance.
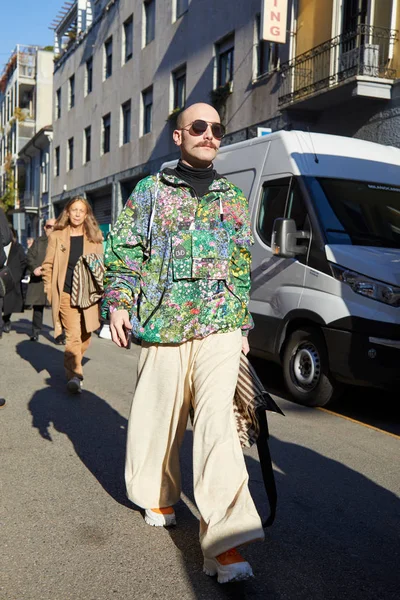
(201, 372)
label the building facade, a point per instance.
(25, 108)
(125, 68)
(35, 158)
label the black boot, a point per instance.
(35, 335)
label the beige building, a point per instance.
(25, 108)
(124, 69)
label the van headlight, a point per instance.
(361, 284)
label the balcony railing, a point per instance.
(365, 52)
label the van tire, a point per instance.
(305, 368)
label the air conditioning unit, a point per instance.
(363, 60)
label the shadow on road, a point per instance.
(96, 430)
(46, 358)
(24, 327)
(336, 533)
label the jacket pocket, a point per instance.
(201, 254)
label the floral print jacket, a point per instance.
(180, 264)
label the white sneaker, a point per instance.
(74, 385)
(160, 517)
(105, 332)
(229, 566)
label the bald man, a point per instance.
(35, 296)
(178, 278)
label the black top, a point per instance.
(199, 179)
(75, 252)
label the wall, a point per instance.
(44, 89)
(190, 39)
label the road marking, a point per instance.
(358, 422)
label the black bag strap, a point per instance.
(266, 466)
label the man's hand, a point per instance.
(38, 271)
(119, 319)
(245, 345)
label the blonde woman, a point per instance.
(76, 233)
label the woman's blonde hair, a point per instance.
(91, 226)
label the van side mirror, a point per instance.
(284, 239)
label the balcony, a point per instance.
(352, 64)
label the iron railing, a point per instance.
(366, 51)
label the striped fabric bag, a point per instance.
(87, 281)
(250, 403)
(250, 398)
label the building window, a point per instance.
(179, 83)
(128, 39)
(147, 97)
(106, 133)
(108, 58)
(224, 55)
(149, 21)
(89, 75)
(58, 103)
(181, 7)
(72, 91)
(70, 154)
(355, 13)
(57, 161)
(88, 141)
(126, 122)
(267, 53)
(44, 171)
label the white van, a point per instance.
(325, 292)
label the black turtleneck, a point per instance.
(199, 179)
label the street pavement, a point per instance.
(68, 532)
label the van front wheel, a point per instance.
(305, 368)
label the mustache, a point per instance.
(206, 145)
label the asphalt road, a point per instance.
(68, 533)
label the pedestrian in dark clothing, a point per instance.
(5, 237)
(13, 301)
(35, 296)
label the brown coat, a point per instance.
(54, 272)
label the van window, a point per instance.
(272, 205)
(357, 212)
(296, 208)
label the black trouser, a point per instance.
(37, 320)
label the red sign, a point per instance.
(273, 20)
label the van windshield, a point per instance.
(357, 212)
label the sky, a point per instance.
(26, 22)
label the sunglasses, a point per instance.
(198, 127)
(49, 226)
